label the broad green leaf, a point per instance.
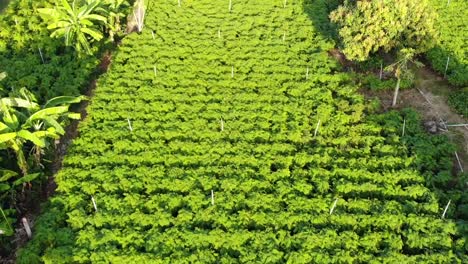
(4, 187)
(26, 178)
(52, 122)
(93, 33)
(31, 137)
(7, 137)
(76, 116)
(51, 111)
(64, 100)
(7, 174)
(18, 102)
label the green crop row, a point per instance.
(247, 146)
(453, 39)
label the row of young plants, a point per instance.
(450, 56)
(41, 77)
(223, 133)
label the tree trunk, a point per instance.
(395, 96)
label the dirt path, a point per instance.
(429, 98)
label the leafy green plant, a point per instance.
(23, 121)
(458, 99)
(77, 23)
(233, 147)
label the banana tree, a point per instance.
(25, 121)
(78, 23)
(402, 70)
(114, 13)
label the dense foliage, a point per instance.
(369, 26)
(233, 138)
(30, 122)
(459, 101)
(453, 41)
(34, 60)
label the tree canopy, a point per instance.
(369, 26)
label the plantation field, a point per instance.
(225, 136)
(453, 26)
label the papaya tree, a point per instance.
(402, 70)
(79, 23)
(23, 120)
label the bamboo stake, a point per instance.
(317, 128)
(307, 73)
(179, 3)
(42, 57)
(459, 162)
(404, 126)
(152, 33)
(285, 2)
(130, 125)
(284, 36)
(222, 125)
(212, 197)
(26, 227)
(94, 203)
(219, 33)
(232, 71)
(155, 70)
(448, 2)
(230, 6)
(333, 206)
(446, 66)
(445, 210)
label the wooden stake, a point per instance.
(448, 2)
(457, 125)
(404, 126)
(446, 66)
(443, 122)
(285, 2)
(317, 128)
(333, 206)
(152, 33)
(459, 162)
(179, 2)
(230, 5)
(284, 36)
(232, 72)
(26, 227)
(155, 70)
(212, 197)
(219, 33)
(381, 70)
(94, 203)
(222, 125)
(42, 57)
(130, 125)
(445, 210)
(307, 73)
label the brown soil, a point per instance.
(429, 98)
